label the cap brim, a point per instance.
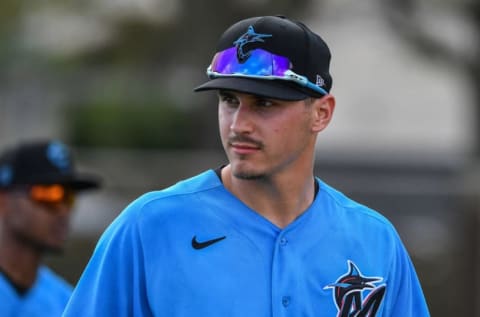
(77, 182)
(275, 89)
(84, 182)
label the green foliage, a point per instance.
(134, 124)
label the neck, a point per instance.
(280, 199)
(18, 261)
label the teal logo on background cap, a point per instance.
(58, 155)
(6, 175)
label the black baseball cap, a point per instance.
(307, 53)
(42, 162)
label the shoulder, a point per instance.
(157, 218)
(197, 185)
(349, 212)
(180, 199)
(53, 282)
(181, 194)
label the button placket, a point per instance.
(281, 275)
(286, 300)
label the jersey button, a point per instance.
(285, 301)
(283, 241)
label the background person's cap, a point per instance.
(307, 52)
(42, 162)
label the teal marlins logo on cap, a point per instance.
(58, 155)
(6, 175)
(249, 37)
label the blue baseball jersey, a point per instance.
(47, 297)
(194, 249)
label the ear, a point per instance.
(323, 112)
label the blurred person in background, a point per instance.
(261, 235)
(38, 185)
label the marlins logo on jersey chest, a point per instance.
(357, 295)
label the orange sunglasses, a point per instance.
(51, 194)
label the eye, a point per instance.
(265, 103)
(227, 99)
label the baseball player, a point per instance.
(261, 235)
(38, 184)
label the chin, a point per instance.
(53, 246)
(54, 249)
(248, 170)
(247, 174)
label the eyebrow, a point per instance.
(225, 93)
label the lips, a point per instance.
(244, 148)
(242, 144)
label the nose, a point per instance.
(242, 121)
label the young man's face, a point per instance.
(264, 136)
(42, 226)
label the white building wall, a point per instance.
(390, 100)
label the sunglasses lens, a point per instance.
(258, 63)
(52, 194)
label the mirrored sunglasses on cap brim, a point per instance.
(51, 194)
(260, 64)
